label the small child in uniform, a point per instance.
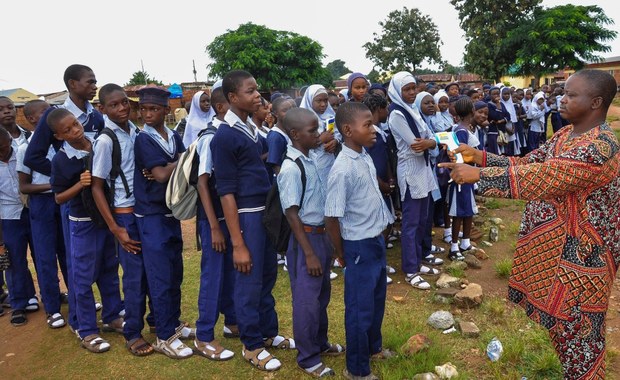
(309, 252)
(356, 216)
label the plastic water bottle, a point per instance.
(494, 349)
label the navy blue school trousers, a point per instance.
(254, 303)
(49, 248)
(135, 288)
(414, 228)
(311, 296)
(427, 239)
(217, 282)
(364, 301)
(162, 253)
(93, 259)
(66, 233)
(17, 236)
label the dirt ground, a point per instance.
(16, 353)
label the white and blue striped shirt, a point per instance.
(353, 196)
(311, 212)
(412, 171)
(11, 205)
(102, 162)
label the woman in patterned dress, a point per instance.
(568, 249)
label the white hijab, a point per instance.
(196, 120)
(400, 80)
(418, 104)
(510, 106)
(312, 92)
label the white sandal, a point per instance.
(418, 282)
(173, 348)
(428, 271)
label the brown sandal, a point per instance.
(334, 350)
(286, 343)
(139, 347)
(95, 343)
(322, 371)
(252, 358)
(212, 350)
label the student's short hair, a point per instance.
(106, 90)
(217, 96)
(471, 92)
(232, 80)
(464, 106)
(278, 103)
(75, 72)
(32, 105)
(601, 83)
(298, 118)
(54, 117)
(4, 134)
(347, 112)
(6, 98)
(374, 102)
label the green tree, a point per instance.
(486, 24)
(337, 68)
(142, 78)
(554, 38)
(277, 59)
(408, 39)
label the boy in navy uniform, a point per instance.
(243, 184)
(120, 219)
(81, 83)
(45, 224)
(309, 253)
(157, 149)
(356, 217)
(16, 231)
(216, 267)
(93, 257)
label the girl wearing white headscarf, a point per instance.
(537, 124)
(197, 118)
(513, 146)
(324, 154)
(415, 174)
(442, 121)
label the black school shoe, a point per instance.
(18, 318)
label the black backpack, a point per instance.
(87, 194)
(274, 220)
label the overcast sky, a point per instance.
(42, 38)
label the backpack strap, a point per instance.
(116, 170)
(411, 122)
(302, 169)
(210, 130)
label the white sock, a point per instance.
(447, 231)
(315, 367)
(465, 243)
(454, 247)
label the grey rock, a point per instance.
(485, 243)
(446, 281)
(469, 329)
(494, 234)
(441, 320)
(460, 265)
(472, 262)
(447, 292)
(496, 221)
(471, 296)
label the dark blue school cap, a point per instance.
(153, 95)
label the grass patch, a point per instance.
(456, 272)
(503, 268)
(492, 203)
